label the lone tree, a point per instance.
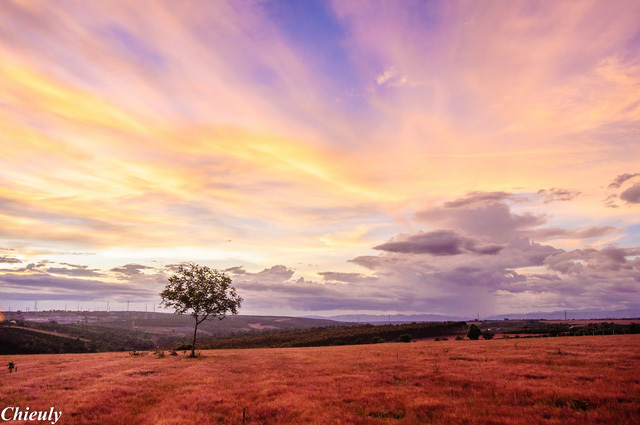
(474, 332)
(202, 292)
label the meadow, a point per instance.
(562, 380)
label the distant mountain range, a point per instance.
(626, 313)
(393, 318)
(554, 315)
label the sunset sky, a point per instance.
(333, 157)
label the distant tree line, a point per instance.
(338, 335)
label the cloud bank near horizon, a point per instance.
(479, 266)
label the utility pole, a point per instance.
(127, 307)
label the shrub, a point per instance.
(459, 338)
(474, 332)
(404, 338)
(377, 340)
(488, 335)
(183, 347)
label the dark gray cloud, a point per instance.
(439, 242)
(610, 201)
(351, 278)
(490, 219)
(44, 287)
(548, 233)
(270, 277)
(31, 267)
(173, 268)
(10, 260)
(75, 266)
(632, 194)
(77, 271)
(341, 277)
(495, 220)
(480, 276)
(592, 262)
(235, 270)
(129, 270)
(478, 198)
(554, 194)
(522, 271)
(620, 179)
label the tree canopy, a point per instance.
(474, 331)
(201, 292)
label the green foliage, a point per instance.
(200, 292)
(404, 338)
(27, 341)
(488, 335)
(335, 335)
(474, 332)
(183, 347)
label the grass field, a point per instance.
(567, 380)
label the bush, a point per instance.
(488, 335)
(404, 338)
(474, 332)
(183, 347)
(459, 338)
(377, 340)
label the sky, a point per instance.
(440, 157)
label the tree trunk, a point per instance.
(193, 346)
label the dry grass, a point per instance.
(536, 381)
